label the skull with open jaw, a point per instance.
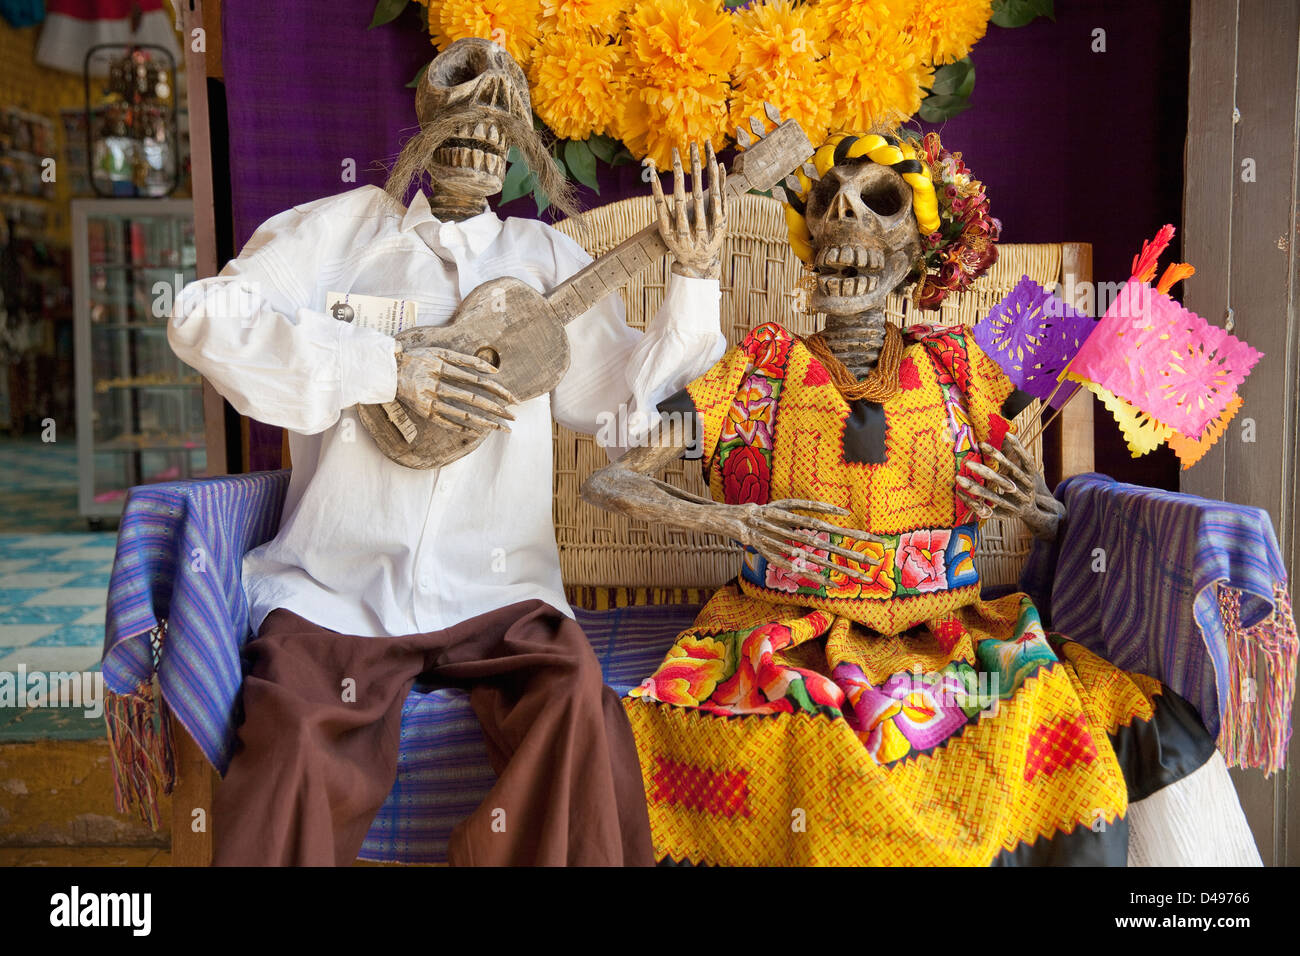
(476, 95)
(864, 237)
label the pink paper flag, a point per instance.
(1164, 360)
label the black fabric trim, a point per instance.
(682, 404)
(1016, 403)
(907, 166)
(794, 202)
(1082, 846)
(864, 433)
(1163, 750)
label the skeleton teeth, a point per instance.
(480, 131)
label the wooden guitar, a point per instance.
(509, 324)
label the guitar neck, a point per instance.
(759, 168)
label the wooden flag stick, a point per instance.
(1051, 418)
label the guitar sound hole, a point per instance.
(489, 355)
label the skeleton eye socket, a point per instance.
(884, 199)
(823, 193)
(462, 72)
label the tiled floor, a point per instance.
(38, 485)
(52, 593)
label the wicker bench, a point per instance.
(612, 565)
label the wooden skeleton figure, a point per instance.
(865, 244)
(507, 342)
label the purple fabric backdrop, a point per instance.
(1073, 144)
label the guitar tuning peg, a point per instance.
(779, 194)
(742, 137)
(772, 113)
(810, 170)
(756, 125)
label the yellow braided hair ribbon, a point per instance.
(886, 151)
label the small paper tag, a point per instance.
(389, 316)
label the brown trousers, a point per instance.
(312, 767)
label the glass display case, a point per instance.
(139, 408)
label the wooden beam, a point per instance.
(195, 785)
(195, 15)
(1078, 443)
(195, 778)
(1240, 214)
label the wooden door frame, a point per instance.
(1240, 229)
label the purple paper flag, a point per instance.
(1032, 335)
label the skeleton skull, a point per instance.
(481, 91)
(865, 239)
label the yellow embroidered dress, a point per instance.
(900, 721)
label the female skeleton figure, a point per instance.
(851, 697)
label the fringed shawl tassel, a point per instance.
(1256, 724)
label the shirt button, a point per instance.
(425, 582)
(444, 487)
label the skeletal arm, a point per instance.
(629, 486)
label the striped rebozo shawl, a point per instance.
(1189, 590)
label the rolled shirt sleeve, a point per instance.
(251, 331)
(617, 375)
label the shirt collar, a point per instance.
(477, 232)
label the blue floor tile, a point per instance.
(42, 614)
(11, 596)
(73, 635)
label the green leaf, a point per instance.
(539, 195)
(949, 79)
(605, 148)
(519, 179)
(582, 163)
(1017, 13)
(968, 84)
(936, 109)
(386, 11)
(418, 77)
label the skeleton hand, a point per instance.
(779, 534)
(430, 379)
(696, 248)
(1016, 489)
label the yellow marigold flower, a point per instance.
(654, 120)
(577, 16)
(850, 19)
(947, 29)
(577, 83)
(674, 40)
(780, 46)
(510, 23)
(876, 80)
(679, 59)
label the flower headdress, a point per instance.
(951, 208)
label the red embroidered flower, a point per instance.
(746, 477)
(769, 347)
(950, 359)
(908, 377)
(920, 559)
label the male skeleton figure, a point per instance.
(380, 573)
